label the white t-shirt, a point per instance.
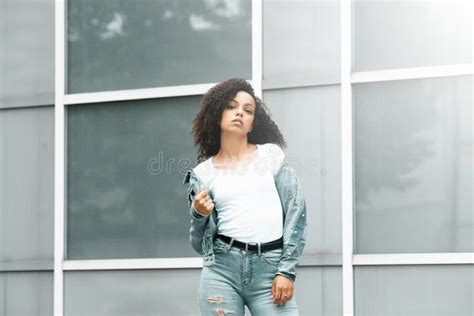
(247, 201)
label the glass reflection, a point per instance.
(390, 34)
(125, 165)
(413, 166)
(120, 44)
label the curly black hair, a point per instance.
(206, 130)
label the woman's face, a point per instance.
(239, 114)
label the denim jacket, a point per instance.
(203, 229)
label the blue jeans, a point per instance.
(241, 278)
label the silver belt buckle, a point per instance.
(247, 245)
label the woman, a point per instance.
(248, 212)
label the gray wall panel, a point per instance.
(310, 121)
(26, 184)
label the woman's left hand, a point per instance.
(282, 289)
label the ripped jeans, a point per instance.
(240, 278)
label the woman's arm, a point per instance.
(294, 217)
(198, 220)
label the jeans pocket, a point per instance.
(220, 246)
(273, 257)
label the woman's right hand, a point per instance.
(203, 202)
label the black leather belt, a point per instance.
(253, 246)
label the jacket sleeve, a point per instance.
(198, 220)
(294, 217)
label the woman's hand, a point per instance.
(282, 289)
(203, 202)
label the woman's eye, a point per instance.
(249, 112)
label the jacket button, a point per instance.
(295, 232)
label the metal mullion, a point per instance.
(59, 150)
(136, 94)
(133, 264)
(413, 258)
(307, 261)
(139, 94)
(372, 76)
(347, 161)
(301, 82)
(177, 263)
(412, 73)
(257, 47)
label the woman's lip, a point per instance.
(237, 121)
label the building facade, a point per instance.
(97, 99)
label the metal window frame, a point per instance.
(59, 156)
(347, 162)
(349, 259)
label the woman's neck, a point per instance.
(234, 150)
